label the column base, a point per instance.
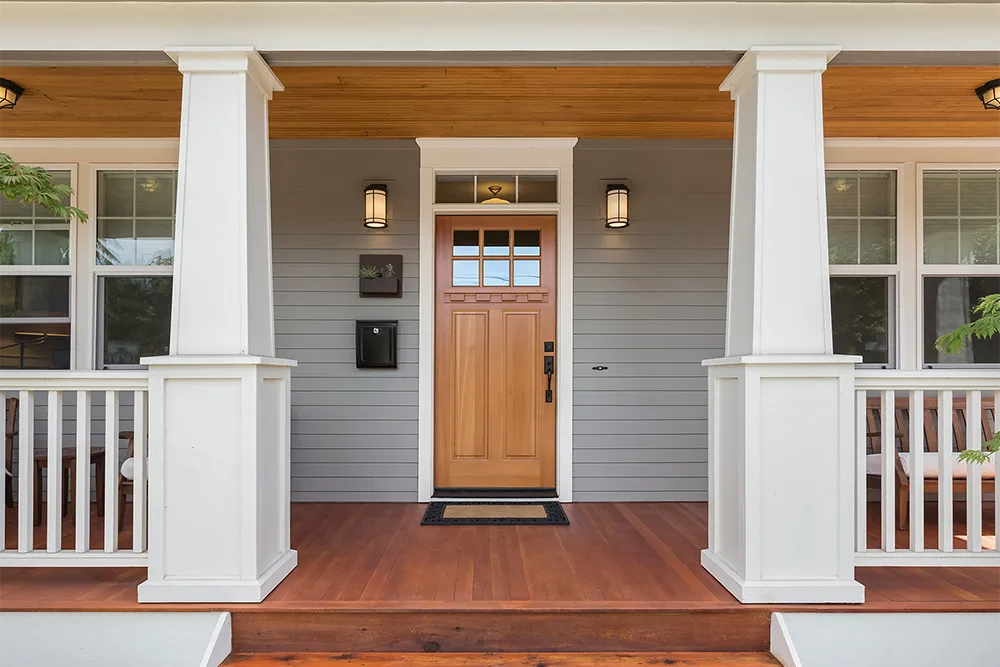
(783, 591)
(219, 590)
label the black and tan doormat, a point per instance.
(494, 514)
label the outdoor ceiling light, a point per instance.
(10, 93)
(376, 196)
(617, 206)
(989, 94)
(148, 184)
(496, 198)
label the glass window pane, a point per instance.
(537, 189)
(842, 193)
(62, 178)
(877, 193)
(154, 194)
(487, 193)
(496, 273)
(940, 193)
(154, 244)
(35, 346)
(978, 193)
(13, 209)
(466, 243)
(454, 190)
(978, 242)
(496, 242)
(860, 309)
(52, 246)
(878, 242)
(843, 236)
(941, 241)
(465, 272)
(948, 304)
(136, 318)
(527, 242)
(34, 296)
(116, 241)
(116, 194)
(15, 243)
(527, 272)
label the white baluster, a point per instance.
(917, 470)
(82, 502)
(26, 472)
(3, 478)
(861, 472)
(53, 512)
(974, 472)
(945, 532)
(139, 478)
(996, 477)
(888, 409)
(111, 472)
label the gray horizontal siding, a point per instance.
(649, 303)
(354, 431)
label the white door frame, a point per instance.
(496, 156)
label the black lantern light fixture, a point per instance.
(617, 195)
(376, 198)
(10, 93)
(989, 94)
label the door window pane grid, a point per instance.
(30, 235)
(961, 217)
(136, 213)
(861, 216)
(476, 253)
(513, 189)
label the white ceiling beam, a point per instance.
(497, 26)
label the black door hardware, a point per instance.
(550, 369)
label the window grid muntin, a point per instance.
(958, 217)
(135, 218)
(516, 175)
(858, 218)
(43, 222)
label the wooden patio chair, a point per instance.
(902, 444)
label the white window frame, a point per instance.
(101, 271)
(942, 270)
(69, 270)
(897, 306)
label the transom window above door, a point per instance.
(496, 258)
(496, 189)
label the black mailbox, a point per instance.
(375, 343)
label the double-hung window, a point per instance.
(36, 284)
(959, 212)
(134, 264)
(862, 230)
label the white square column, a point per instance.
(219, 404)
(781, 409)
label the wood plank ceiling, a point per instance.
(586, 102)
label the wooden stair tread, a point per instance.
(676, 659)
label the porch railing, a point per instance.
(66, 421)
(910, 428)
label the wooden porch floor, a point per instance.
(635, 556)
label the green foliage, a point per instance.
(34, 185)
(369, 272)
(987, 325)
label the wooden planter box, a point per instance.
(381, 287)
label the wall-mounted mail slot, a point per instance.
(375, 343)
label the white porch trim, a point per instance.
(497, 156)
(498, 26)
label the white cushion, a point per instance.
(959, 469)
(128, 468)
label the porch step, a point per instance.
(688, 659)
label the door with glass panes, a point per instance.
(495, 332)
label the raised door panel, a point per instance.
(521, 371)
(469, 385)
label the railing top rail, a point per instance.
(127, 380)
(955, 379)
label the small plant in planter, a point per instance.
(378, 277)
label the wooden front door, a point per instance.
(495, 294)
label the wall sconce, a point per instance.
(617, 206)
(10, 93)
(376, 196)
(989, 94)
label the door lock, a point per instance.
(549, 369)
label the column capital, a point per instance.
(226, 59)
(777, 59)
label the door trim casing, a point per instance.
(520, 155)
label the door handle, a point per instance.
(550, 369)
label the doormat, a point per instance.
(494, 514)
